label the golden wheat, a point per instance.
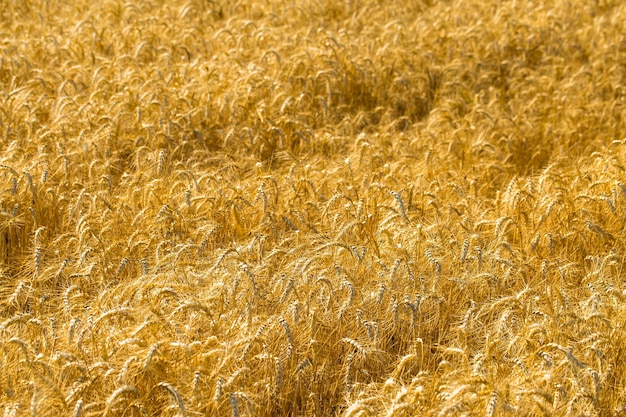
(319, 208)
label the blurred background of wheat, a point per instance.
(312, 208)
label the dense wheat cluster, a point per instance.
(316, 207)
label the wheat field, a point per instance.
(312, 208)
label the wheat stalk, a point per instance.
(126, 390)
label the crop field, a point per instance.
(312, 208)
